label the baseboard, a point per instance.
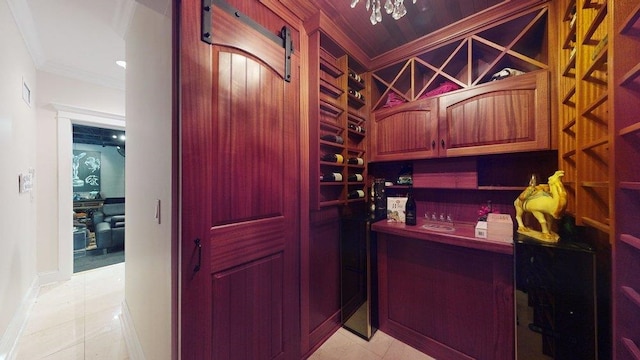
(18, 321)
(130, 335)
(51, 277)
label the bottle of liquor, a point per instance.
(355, 177)
(333, 138)
(356, 194)
(410, 210)
(334, 158)
(330, 177)
(355, 161)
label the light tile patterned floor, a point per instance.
(77, 319)
(80, 319)
(343, 345)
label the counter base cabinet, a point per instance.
(447, 301)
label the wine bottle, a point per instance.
(355, 177)
(356, 94)
(356, 128)
(410, 210)
(335, 158)
(356, 194)
(355, 161)
(355, 76)
(335, 176)
(333, 138)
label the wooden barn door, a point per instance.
(240, 190)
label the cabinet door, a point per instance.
(503, 116)
(408, 131)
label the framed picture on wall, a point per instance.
(86, 171)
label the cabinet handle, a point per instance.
(442, 143)
(199, 246)
(433, 144)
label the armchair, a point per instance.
(109, 224)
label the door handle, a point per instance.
(199, 246)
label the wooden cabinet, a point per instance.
(409, 131)
(448, 301)
(509, 115)
(624, 97)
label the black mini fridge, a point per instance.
(555, 300)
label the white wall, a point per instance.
(18, 214)
(151, 270)
(53, 89)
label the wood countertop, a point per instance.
(463, 235)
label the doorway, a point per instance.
(98, 179)
(67, 117)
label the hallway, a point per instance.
(77, 319)
(80, 319)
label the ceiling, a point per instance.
(422, 18)
(97, 136)
(82, 39)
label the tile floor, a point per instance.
(77, 319)
(344, 345)
(80, 319)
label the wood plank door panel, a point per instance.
(240, 191)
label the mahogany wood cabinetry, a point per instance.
(624, 97)
(510, 115)
(450, 299)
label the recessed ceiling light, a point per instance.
(114, 136)
(122, 63)
(122, 137)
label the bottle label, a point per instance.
(339, 159)
(337, 177)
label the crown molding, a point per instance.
(83, 75)
(24, 20)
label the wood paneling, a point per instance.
(448, 301)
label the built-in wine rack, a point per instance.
(624, 97)
(518, 41)
(584, 118)
(338, 125)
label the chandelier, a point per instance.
(393, 7)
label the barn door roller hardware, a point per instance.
(283, 39)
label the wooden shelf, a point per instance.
(595, 184)
(632, 295)
(571, 65)
(631, 347)
(630, 130)
(599, 101)
(569, 154)
(568, 127)
(631, 241)
(631, 76)
(596, 224)
(631, 26)
(600, 16)
(598, 64)
(567, 100)
(597, 143)
(630, 185)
